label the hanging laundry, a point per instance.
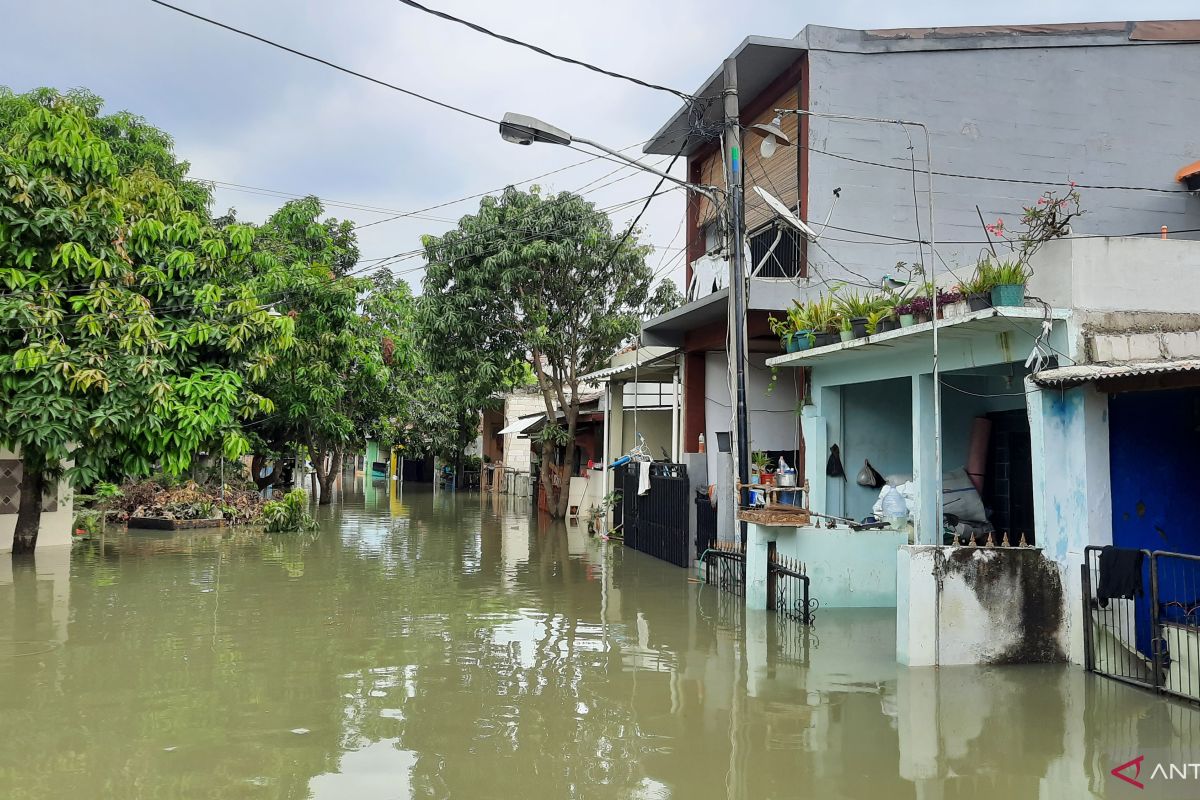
(1120, 574)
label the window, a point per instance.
(647, 395)
(784, 262)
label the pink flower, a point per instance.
(1041, 201)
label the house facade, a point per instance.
(1001, 114)
(58, 506)
(1010, 111)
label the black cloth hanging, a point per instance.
(833, 467)
(1120, 574)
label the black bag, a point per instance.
(869, 476)
(833, 467)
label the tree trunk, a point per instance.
(326, 475)
(256, 465)
(547, 476)
(564, 498)
(29, 512)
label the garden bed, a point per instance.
(165, 524)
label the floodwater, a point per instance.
(445, 646)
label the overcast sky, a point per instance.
(245, 113)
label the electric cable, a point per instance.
(542, 51)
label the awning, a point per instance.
(521, 425)
(651, 364)
(1080, 374)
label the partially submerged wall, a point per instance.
(978, 605)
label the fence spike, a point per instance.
(973, 542)
(1023, 542)
(1004, 541)
(990, 542)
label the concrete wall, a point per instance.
(847, 569)
(653, 424)
(516, 448)
(1121, 116)
(56, 525)
(1121, 274)
(774, 422)
(877, 426)
(986, 606)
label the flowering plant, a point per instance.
(1050, 218)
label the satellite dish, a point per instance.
(785, 213)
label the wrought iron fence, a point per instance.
(1141, 614)
(656, 523)
(788, 588)
(725, 567)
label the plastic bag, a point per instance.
(833, 467)
(869, 476)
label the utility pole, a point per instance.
(737, 272)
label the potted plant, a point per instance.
(921, 309)
(846, 328)
(978, 289)
(855, 308)
(949, 302)
(904, 313)
(1009, 289)
(783, 329)
(880, 321)
(823, 321)
(761, 466)
(800, 320)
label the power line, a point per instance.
(319, 60)
(542, 51)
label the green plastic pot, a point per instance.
(907, 320)
(802, 340)
(1008, 294)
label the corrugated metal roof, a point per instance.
(1086, 373)
(521, 425)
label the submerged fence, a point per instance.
(1141, 614)
(787, 580)
(656, 522)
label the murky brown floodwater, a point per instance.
(445, 647)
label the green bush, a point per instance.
(290, 514)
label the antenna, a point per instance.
(785, 213)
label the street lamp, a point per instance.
(523, 129)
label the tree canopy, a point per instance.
(542, 280)
(129, 324)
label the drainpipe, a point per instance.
(604, 456)
(675, 453)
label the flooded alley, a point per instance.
(446, 646)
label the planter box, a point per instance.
(161, 524)
(1008, 294)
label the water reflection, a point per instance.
(446, 645)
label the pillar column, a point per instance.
(1072, 486)
(926, 516)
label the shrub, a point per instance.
(289, 515)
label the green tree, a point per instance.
(128, 322)
(346, 376)
(541, 279)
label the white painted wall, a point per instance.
(774, 422)
(56, 525)
(516, 448)
(1119, 274)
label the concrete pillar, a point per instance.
(926, 516)
(616, 419)
(821, 424)
(758, 539)
(1072, 486)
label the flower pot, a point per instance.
(979, 301)
(921, 317)
(888, 324)
(802, 340)
(907, 320)
(824, 339)
(767, 478)
(1008, 294)
(790, 343)
(846, 336)
(858, 326)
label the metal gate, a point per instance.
(1151, 637)
(787, 588)
(657, 522)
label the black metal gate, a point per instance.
(1141, 613)
(657, 522)
(787, 588)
